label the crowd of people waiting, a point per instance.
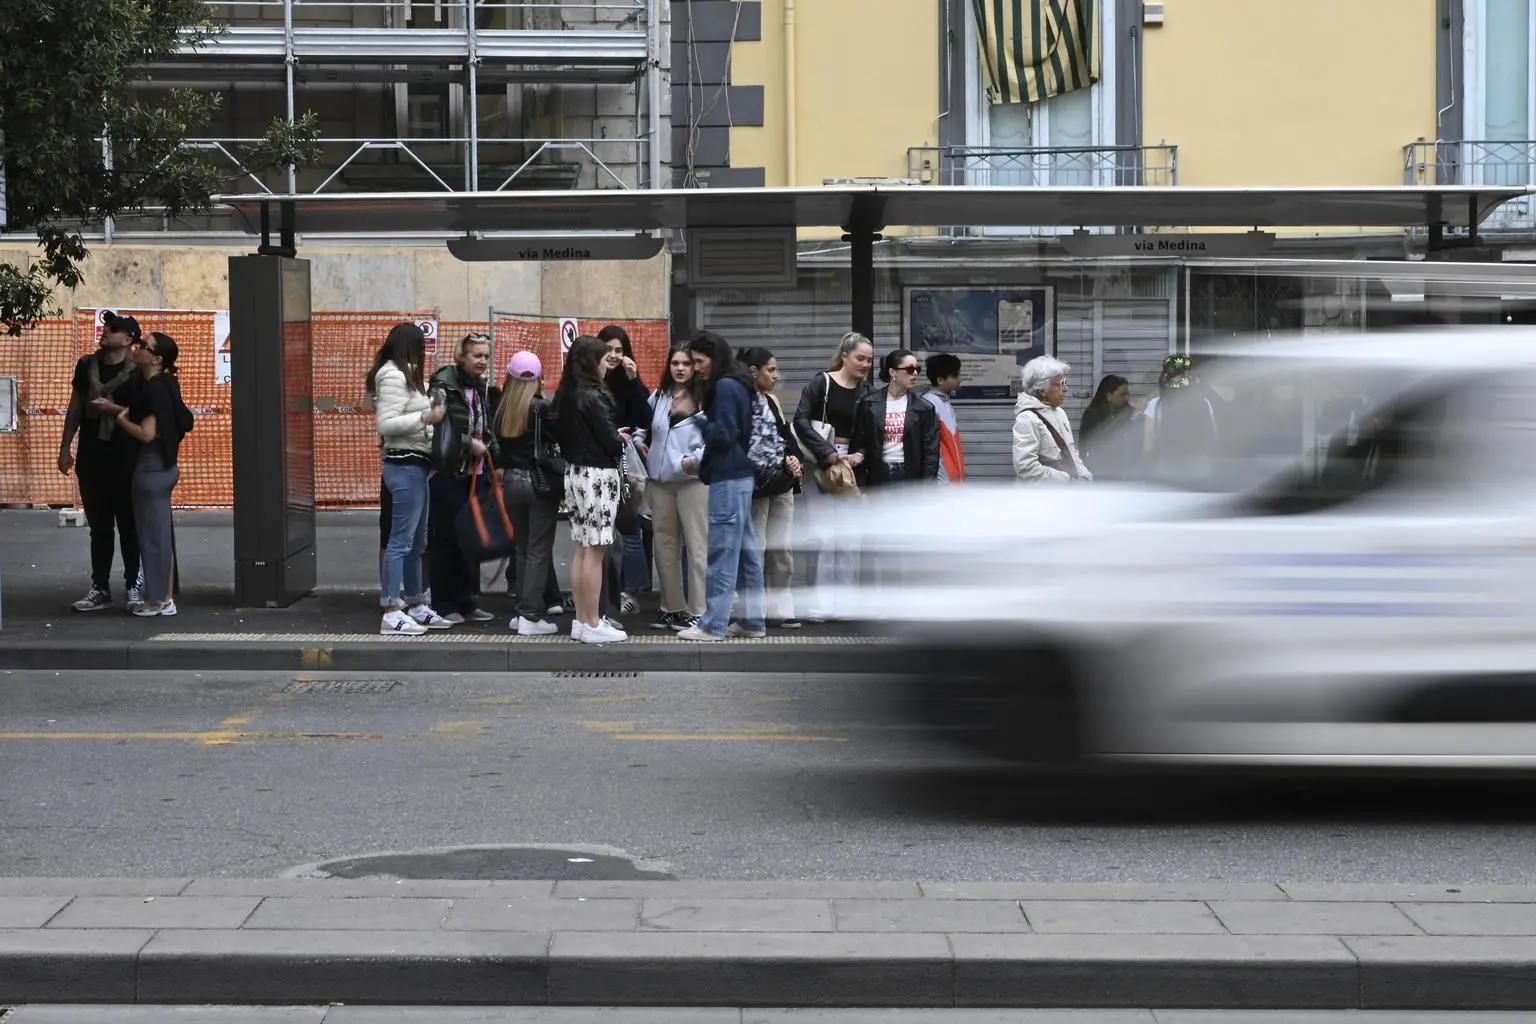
(698, 476)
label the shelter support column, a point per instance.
(861, 233)
(272, 413)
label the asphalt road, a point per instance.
(740, 777)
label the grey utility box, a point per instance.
(274, 452)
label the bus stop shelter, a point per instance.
(270, 303)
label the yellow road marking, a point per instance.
(444, 730)
(216, 737)
(723, 737)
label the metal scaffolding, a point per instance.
(451, 95)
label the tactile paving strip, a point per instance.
(450, 637)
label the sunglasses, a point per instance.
(906, 369)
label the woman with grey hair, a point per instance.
(1044, 450)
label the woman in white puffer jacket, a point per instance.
(404, 416)
(1044, 450)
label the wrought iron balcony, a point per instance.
(1478, 162)
(1044, 165)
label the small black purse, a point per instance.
(772, 481)
(547, 473)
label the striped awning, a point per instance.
(1032, 49)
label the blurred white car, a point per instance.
(1345, 577)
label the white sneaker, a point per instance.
(397, 623)
(135, 597)
(603, 633)
(528, 627)
(422, 615)
(169, 608)
(628, 605)
(453, 618)
(699, 633)
(739, 632)
(555, 609)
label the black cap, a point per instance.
(124, 324)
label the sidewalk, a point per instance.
(782, 944)
(44, 568)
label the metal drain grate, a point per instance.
(567, 674)
(352, 686)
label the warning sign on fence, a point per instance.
(570, 330)
(221, 347)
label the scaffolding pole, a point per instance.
(289, 60)
(653, 91)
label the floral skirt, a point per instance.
(593, 495)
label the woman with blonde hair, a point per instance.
(823, 427)
(523, 438)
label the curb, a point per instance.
(747, 970)
(278, 654)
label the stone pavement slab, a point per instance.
(770, 889)
(929, 916)
(1108, 917)
(155, 912)
(717, 915)
(359, 913)
(1103, 891)
(1473, 918)
(544, 915)
(1295, 918)
(29, 911)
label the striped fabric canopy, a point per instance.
(1033, 49)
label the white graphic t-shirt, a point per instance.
(895, 430)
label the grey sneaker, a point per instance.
(94, 600)
(739, 632)
(479, 615)
(135, 597)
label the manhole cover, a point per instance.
(495, 863)
(568, 674)
(341, 686)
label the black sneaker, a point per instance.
(682, 621)
(666, 620)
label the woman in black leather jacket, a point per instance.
(896, 431)
(823, 425)
(455, 584)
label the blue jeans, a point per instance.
(735, 561)
(407, 487)
(636, 555)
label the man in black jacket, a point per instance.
(105, 457)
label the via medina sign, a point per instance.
(559, 249)
(1165, 245)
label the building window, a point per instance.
(1061, 140)
(1500, 89)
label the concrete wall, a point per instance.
(866, 88)
(149, 277)
(1291, 92)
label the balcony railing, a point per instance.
(1478, 162)
(1044, 166)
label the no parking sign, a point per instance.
(569, 332)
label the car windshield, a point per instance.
(1244, 422)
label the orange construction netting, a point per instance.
(345, 447)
